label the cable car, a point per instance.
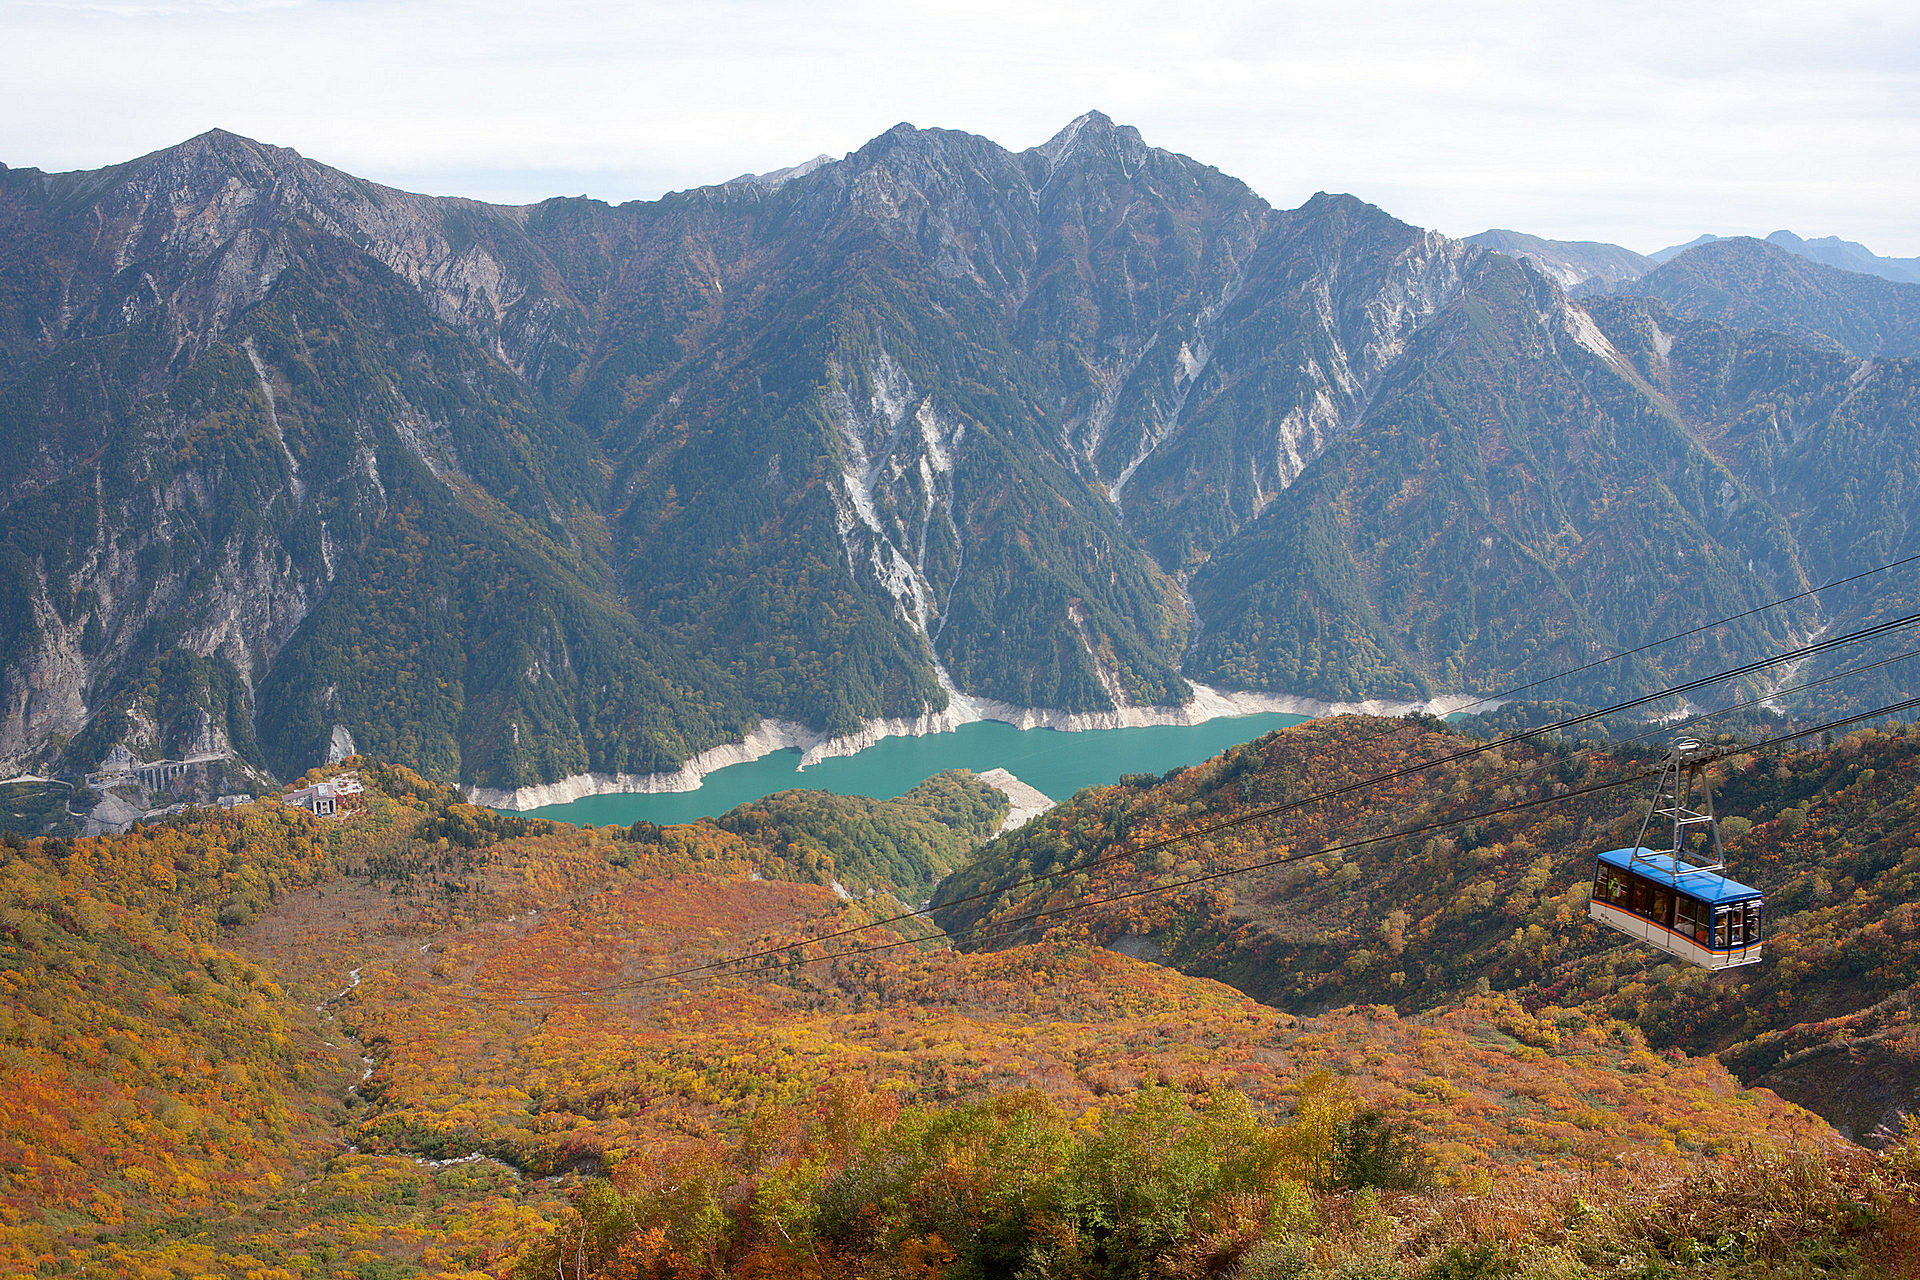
(1688, 909)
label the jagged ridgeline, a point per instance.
(517, 493)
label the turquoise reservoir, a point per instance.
(1055, 763)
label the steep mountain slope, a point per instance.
(517, 494)
(1496, 520)
(1012, 348)
(1500, 904)
(1325, 312)
(859, 371)
(364, 519)
(1751, 284)
(1823, 438)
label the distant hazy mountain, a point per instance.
(1848, 255)
(1756, 284)
(1673, 251)
(1571, 262)
(299, 462)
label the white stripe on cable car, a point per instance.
(1627, 922)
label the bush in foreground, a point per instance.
(1173, 1187)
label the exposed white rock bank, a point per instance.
(769, 736)
(785, 735)
(1026, 802)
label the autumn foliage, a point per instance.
(428, 1038)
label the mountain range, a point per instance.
(304, 465)
(1592, 265)
(1847, 255)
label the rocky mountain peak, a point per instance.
(224, 142)
(1092, 134)
(905, 141)
(197, 232)
(204, 165)
(978, 406)
(776, 178)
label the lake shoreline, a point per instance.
(770, 736)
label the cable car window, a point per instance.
(1753, 923)
(1720, 929)
(1660, 905)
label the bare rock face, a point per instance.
(214, 438)
(518, 495)
(199, 232)
(340, 745)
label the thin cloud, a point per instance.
(1640, 123)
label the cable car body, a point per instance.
(1691, 910)
(1691, 913)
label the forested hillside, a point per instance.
(1500, 905)
(429, 1039)
(173, 998)
(1753, 284)
(518, 494)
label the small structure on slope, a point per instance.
(323, 798)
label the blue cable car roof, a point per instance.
(1708, 886)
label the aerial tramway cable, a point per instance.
(1006, 928)
(1011, 925)
(1508, 694)
(1290, 806)
(1665, 730)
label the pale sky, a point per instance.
(1639, 123)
